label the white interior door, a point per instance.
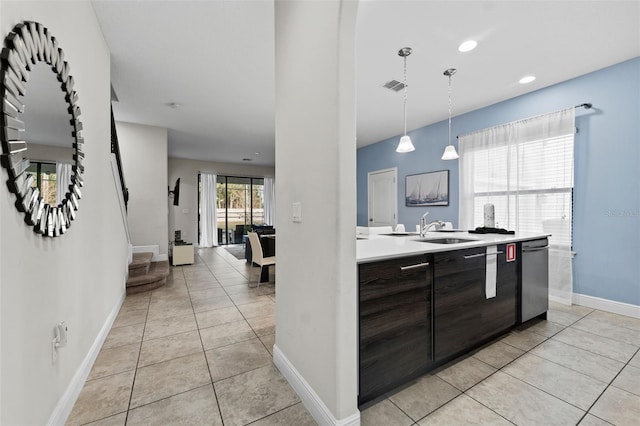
(383, 197)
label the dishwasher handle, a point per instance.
(471, 256)
(530, 249)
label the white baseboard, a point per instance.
(65, 403)
(607, 305)
(155, 249)
(129, 256)
(309, 397)
(560, 300)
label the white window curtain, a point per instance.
(208, 222)
(63, 180)
(525, 169)
(269, 201)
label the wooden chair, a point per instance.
(257, 256)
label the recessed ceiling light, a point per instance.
(467, 46)
(257, 153)
(527, 79)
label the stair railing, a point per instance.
(115, 149)
(121, 188)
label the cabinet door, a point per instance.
(395, 323)
(500, 313)
(463, 316)
(459, 292)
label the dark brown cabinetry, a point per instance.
(395, 323)
(463, 316)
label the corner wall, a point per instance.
(143, 150)
(78, 277)
(185, 216)
(606, 228)
(316, 309)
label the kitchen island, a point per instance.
(425, 301)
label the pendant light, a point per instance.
(450, 151)
(405, 144)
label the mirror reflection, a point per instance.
(48, 133)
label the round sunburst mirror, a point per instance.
(41, 129)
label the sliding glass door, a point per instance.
(240, 204)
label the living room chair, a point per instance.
(257, 256)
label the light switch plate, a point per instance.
(297, 212)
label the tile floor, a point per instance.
(198, 351)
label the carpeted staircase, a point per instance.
(146, 275)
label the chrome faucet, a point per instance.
(423, 223)
(424, 226)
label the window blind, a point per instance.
(530, 185)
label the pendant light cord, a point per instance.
(449, 109)
(405, 95)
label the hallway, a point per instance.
(196, 351)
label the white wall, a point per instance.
(144, 160)
(316, 312)
(78, 277)
(51, 153)
(185, 216)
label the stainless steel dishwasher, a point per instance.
(535, 279)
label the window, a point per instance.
(45, 180)
(239, 206)
(530, 185)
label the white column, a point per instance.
(316, 313)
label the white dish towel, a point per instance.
(492, 270)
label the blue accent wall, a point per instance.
(607, 172)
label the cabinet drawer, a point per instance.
(381, 317)
(389, 277)
(389, 363)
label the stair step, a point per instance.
(140, 264)
(154, 278)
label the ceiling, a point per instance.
(205, 69)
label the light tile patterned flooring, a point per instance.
(198, 351)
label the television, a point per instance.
(176, 193)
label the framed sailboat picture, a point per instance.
(427, 189)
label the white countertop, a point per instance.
(379, 247)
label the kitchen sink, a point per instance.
(445, 240)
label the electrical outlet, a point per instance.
(59, 340)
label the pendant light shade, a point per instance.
(450, 151)
(405, 144)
